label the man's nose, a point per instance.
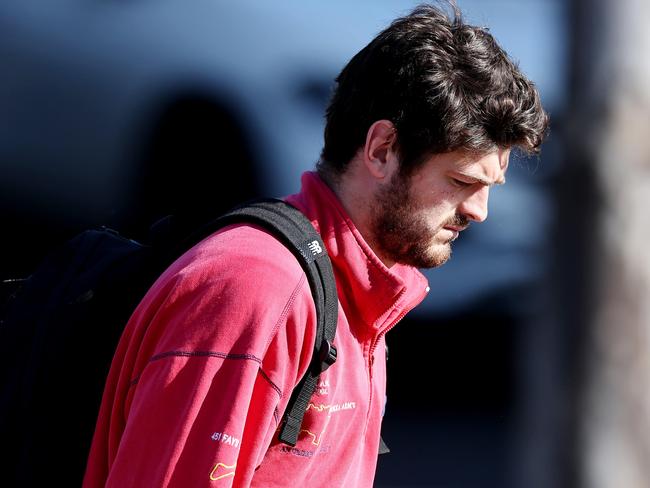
(475, 207)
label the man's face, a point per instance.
(415, 218)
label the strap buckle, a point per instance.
(328, 355)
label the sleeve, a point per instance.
(206, 405)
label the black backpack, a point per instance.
(59, 332)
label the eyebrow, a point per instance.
(482, 180)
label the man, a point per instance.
(420, 127)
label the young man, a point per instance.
(419, 128)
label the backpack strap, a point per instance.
(297, 233)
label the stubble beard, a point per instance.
(401, 233)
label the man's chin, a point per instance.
(430, 257)
(439, 256)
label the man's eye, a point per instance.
(459, 183)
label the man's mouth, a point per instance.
(455, 230)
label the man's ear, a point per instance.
(380, 151)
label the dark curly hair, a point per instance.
(445, 86)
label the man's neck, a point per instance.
(357, 197)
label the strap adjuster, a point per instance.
(328, 355)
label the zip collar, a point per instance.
(369, 292)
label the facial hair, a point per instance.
(402, 234)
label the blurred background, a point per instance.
(527, 365)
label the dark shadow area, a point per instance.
(196, 163)
(192, 161)
(451, 395)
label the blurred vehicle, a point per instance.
(119, 113)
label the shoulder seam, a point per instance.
(287, 307)
(276, 388)
(281, 319)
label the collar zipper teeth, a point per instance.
(373, 346)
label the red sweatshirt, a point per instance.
(208, 361)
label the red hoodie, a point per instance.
(208, 361)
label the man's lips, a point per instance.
(455, 230)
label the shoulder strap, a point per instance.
(297, 233)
